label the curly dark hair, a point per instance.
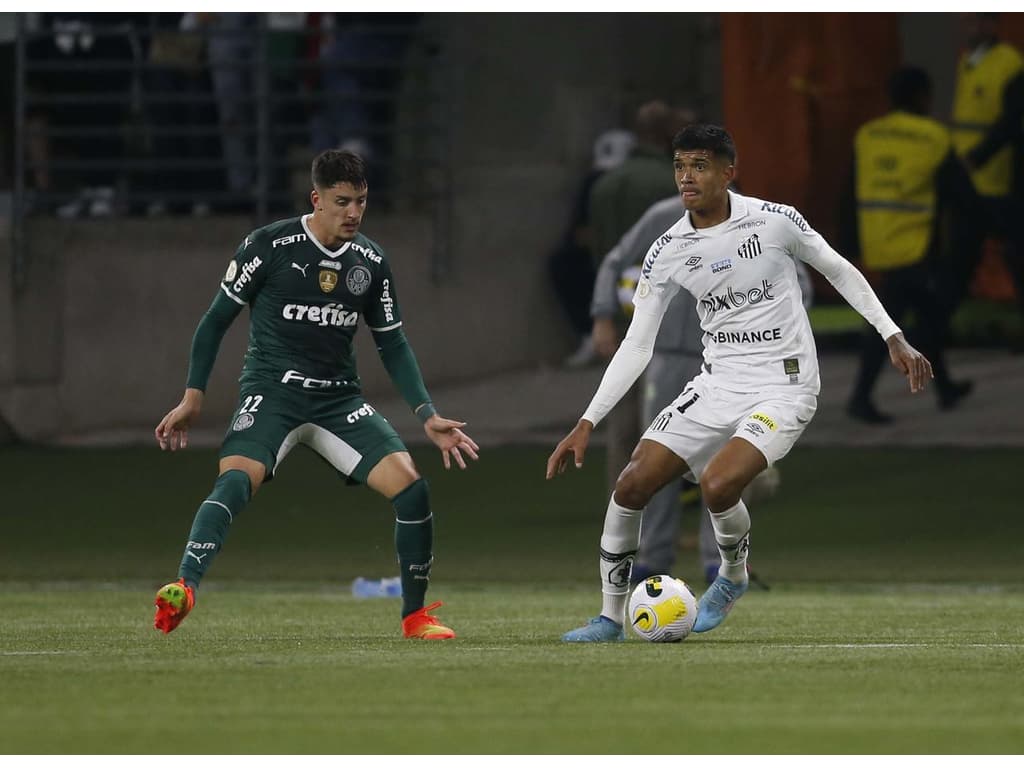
(713, 138)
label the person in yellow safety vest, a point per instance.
(988, 133)
(905, 177)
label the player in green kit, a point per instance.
(307, 281)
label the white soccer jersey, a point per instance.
(756, 332)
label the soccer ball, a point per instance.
(662, 609)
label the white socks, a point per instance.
(619, 542)
(732, 532)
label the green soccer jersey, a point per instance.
(305, 302)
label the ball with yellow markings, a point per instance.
(662, 609)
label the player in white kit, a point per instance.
(758, 386)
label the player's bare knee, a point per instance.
(393, 474)
(720, 490)
(631, 489)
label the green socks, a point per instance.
(229, 496)
(414, 538)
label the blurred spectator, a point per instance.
(37, 139)
(571, 264)
(7, 37)
(91, 123)
(988, 133)
(617, 200)
(362, 61)
(177, 106)
(905, 177)
(291, 51)
(230, 51)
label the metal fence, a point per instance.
(187, 114)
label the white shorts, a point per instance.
(704, 418)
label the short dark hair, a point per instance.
(336, 166)
(713, 138)
(908, 86)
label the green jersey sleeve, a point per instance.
(247, 271)
(206, 341)
(382, 313)
(401, 365)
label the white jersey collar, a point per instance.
(318, 244)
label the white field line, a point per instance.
(40, 653)
(893, 645)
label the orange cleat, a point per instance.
(421, 625)
(173, 603)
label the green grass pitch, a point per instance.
(895, 622)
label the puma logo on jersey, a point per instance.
(301, 269)
(199, 558)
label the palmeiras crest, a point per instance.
(358, 280)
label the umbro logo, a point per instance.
(301, 269)
(750, 247)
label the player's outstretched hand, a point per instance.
(172, 431)
(574, 443)
(449, 437)
(910, 362)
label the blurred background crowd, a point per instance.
(509, 153)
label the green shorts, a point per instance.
(345, 430)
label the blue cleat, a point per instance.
(600, 629)
(716, 602)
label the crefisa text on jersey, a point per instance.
(248, 269)
(329, 314)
